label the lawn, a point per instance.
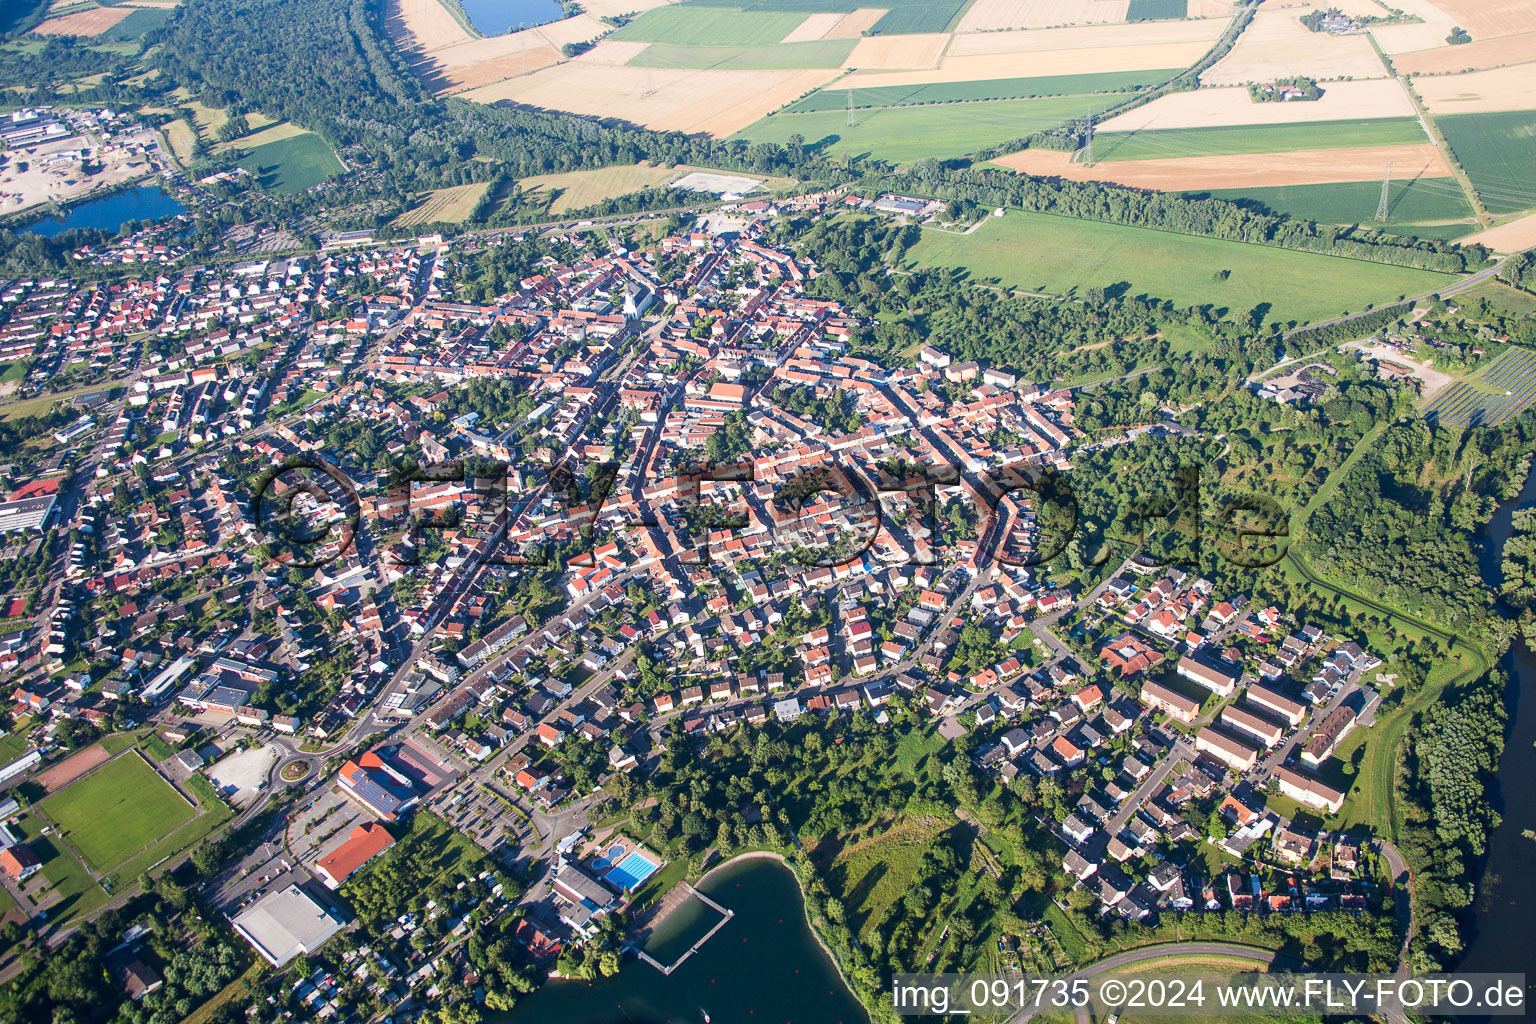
(77, 892)
(576, 190)
(834, 98)
(709, 26)
(818, 53)
(293, 164)
(1225, 140)
(1510, 301)
(1414, 207)
(116, 811)
(1498, 152)
(1063, 256)
(12, 746)
(902, 135)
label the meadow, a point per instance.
(293, 164)
(1416, 207)
(818, 53)
(905, 134)
(117, 810)
(1498, 152)
(1270, 138)
(1063, 256)
(445, 204)
(834, 98)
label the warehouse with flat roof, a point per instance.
(286, 924)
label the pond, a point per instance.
(498, 17)
(763, 967)
(146, 202)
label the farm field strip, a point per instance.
(1342, 101)
(1515, 236)
(1232, 140)
(995, 15)
(1479, 92)
(88, 23)
(1276, 44)
(1426, 207)
(1498, 152)
(834, 97)
(445, 204)
(1480, 54)
(820, 53)
(1241, 170)
(904, 134)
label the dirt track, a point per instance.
(72, 767)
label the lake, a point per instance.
(498, 17)
(763, 967)
(1502, 923)
(146, 202)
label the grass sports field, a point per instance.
(819, 53)
(1271, 138)
(834, 98)
(1062, 256)
(905, 134)
(293, 164)
(1498, 152)
(1428, 207)
(114, 812)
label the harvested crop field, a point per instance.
(481, 61)
(84, 23)
(1343, 101)
(1516, 236)
(1511, 88)
(580, 189)
(1478, 55)
(1428, 33)
(815, 27)
(445, 204)
(889, 52)
(716, 102)
(423, 25)
(818, 53)
(856, 22)
(1087, 37)
(1278, 45)
(612, 52)
(993, 15)
(1248, 170)
(1486, 18)
(614, 8)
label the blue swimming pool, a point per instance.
(631, 871)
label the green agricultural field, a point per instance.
(115, 811)
(135, 25)
(1256, 138)
(1156, 10)
(819, 53)
(1063, 256)
(1429, 207)
(833, 98)
(1498, 152)
(709, 26)
(902, 135)
(293, 164)
(910, 16)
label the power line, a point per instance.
(1383, 209)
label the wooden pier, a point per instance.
(670, 904)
